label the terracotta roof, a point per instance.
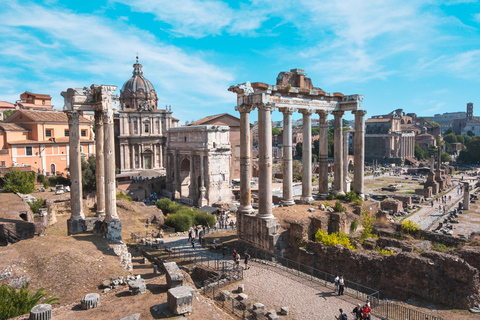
(5, 104)
(49, 116)
(11, 127)
(206, 119)
(38, 95)
(379, 120)
(32, 105)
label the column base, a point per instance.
(75, 226)
(306, 200)
(335, 192)
(246, 209)
(361, 196)
(287, 203)
(265, 216)
(258, 232)
(113, 230)
(100, 214)
(202, 202)
(322, 196)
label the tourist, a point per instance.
(366, 312)
(193, 243)
(342, 316)
(336, 283)
(196, 232)
(341, 284)
(247, 257)
(234, 255)
(357, 312)
(367, 303)
(189, 235)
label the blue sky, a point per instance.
(422, 56)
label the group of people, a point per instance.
(236, 259)
(359, 313)
(339, 284)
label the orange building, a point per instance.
(29, 100)
(40, 139)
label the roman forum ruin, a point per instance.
(98, 99)
(292, 92)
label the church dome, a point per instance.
(137, 92)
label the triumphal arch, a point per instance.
(293, 92)
(99, 100)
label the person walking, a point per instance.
(357, 312)
(336, 283)
(366, 312)
(247, 257)
(342, 316)
(193, 243)
(341, 284)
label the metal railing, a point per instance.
(393, 311)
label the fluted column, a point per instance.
(245, 159)
(307, 156)
(323, 155)
(265, 160)
(75, 166)
(192, 187)
(110, 195)
(100, 163)
(176, 175)
(287, 157)
(202, 201)
(338, 155)
(346, 178)
(359, 153)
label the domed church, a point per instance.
(142, 127)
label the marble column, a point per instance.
(338, 154)
(245, 159)
(287, 157)
(359, 153)
(109, 147)
(307, 156)
(466, 196)
(176, 176)
(323, 155)
(160, 156)
(202, 201)
(346, 178)
(192, 187)
(75, 166)
(265, 160)
(100, 163)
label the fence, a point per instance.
(389, 310)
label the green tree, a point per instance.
(470, 133)
(14, 303)
(8, 113)
(448, 131)
(299, 150)
(450, 138)
(445, 157)
(88, 175)
(276, 131)
(419, 152)
(461, 139)
(18, 181)
(434, 124)
(315, 131)
(473, 148)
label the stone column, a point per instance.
(265, 160)
(202, 201)
(307, 156)
(245, 159)
(287, 157)
(192, 187)
(176, 176)
(466, 196)
(338, 155)
(346, 178)
(359, 153)
(100, 163)
(323, 155)
(75, 168)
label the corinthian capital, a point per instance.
(244, 108)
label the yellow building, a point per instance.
(40, 139)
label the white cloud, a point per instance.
(54, 44)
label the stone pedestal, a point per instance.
(90, 301)
(41, 312)
(75, 226)
(114, 230)
(259, 232)
(137, 286)
(180, 299)
(173, 274)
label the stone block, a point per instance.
(137, 286)
(114, 230)
(241, 297)
(284, 311)
(272, 315)
(180, 299)
(241, 288)
(258, 306)
(75, 226)
(173, 274)
(41, 312)
(224, 295)
(90, 301)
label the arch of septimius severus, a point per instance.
(98, 99)
(292, 92)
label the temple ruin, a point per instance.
(292, 92)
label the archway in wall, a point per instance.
(52, 169)
(147, 159)
(184, 177)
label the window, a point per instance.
(84, 133)
(146, 127)
(67, 133)
(28, 151)
(48, 132)
(3, 163)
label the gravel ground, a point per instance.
(276, 288)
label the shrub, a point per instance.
(122, 195)
(409, 226)
(59, 180)
(41, 178)
(36, 205)
(46, 184)
(14, 303)
(441, 247)
(330, 197)
(204, 219)
(333, 239)
(179, 221)
(338, 207)
(168, 206)
(354, 225)
(327, 204)
(367, 223)
(18, 181)
(384, 252)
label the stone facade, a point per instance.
(142, 127)
(198, 164)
